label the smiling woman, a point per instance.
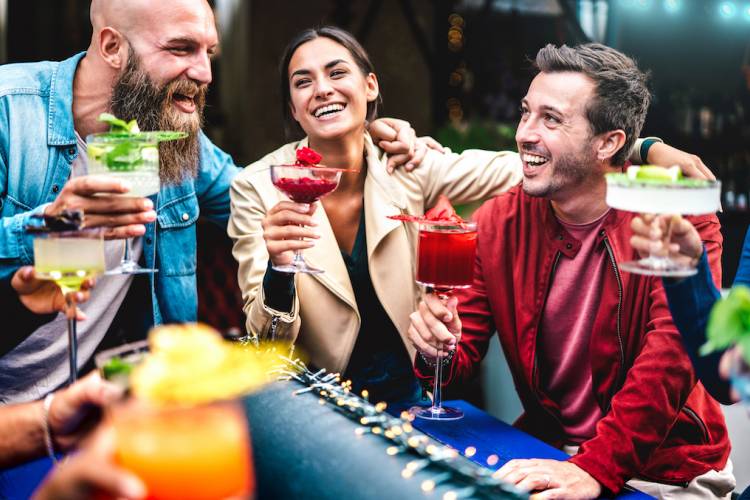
(353, 318)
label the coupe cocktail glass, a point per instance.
(69, 258)
(303, 184)
(684, 197)
(445, 262)
(185, 452)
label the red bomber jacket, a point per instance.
(659, 422)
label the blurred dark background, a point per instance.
(456, 70)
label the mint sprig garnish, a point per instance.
(118, 125)
(128, 143)
(729, 323)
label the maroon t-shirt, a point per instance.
(567, 320)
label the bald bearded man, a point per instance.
(149, 61)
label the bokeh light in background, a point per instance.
(746, 12)
(672, 6)
(727, 10)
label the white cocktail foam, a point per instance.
(665, 199)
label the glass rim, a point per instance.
(322, 168)
(146, 138)
(448, 226)
(91, 233)
(102, 357)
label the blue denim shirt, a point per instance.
(37, 148)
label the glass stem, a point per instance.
(72, 337)
(662, 261)
(437, 399)
(126, 258)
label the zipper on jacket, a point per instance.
(619, 318)
(535, 369)
(274, 325)
(694, 416)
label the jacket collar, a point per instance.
(60, 128)
(382, 197)
(562, 240)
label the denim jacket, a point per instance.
(37, 148)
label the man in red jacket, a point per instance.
(595, 356)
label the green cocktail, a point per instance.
(69, 258)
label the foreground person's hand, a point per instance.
(691, 165)
(76, 410)
(288, 227)
(435, 325)
(120, 216)
(44, 296)
(551, 478)
(666, 235)
(91, 474)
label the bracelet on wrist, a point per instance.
(645, 146)
(48, 443)
(445, 360)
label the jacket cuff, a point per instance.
(278, 290)
(600, 470)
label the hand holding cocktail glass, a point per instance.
(660, 191)
(445, 262)
(286, 226)
(667, 236)
(127, 154)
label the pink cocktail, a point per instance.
(303, 184)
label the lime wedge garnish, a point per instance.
(655, 173)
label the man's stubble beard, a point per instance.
(136, 96)
(571, 169)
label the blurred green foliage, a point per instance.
(491, 136)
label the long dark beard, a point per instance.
(136, 96)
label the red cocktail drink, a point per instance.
(305, 189)
(445, 261)
(303, 184)
(445, 255)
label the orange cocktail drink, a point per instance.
(192, 452)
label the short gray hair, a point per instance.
(621, 97)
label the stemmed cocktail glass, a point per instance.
(69, 258)
(303, 184)
(661, 196)
(445, 262)
(134, 158)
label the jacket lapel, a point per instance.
(389, 249)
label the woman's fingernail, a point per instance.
(147, 204)
(304, 207)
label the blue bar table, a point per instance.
(489, 436)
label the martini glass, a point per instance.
(651, 196)
(69, 258)
(445, 262)
(303, 184)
